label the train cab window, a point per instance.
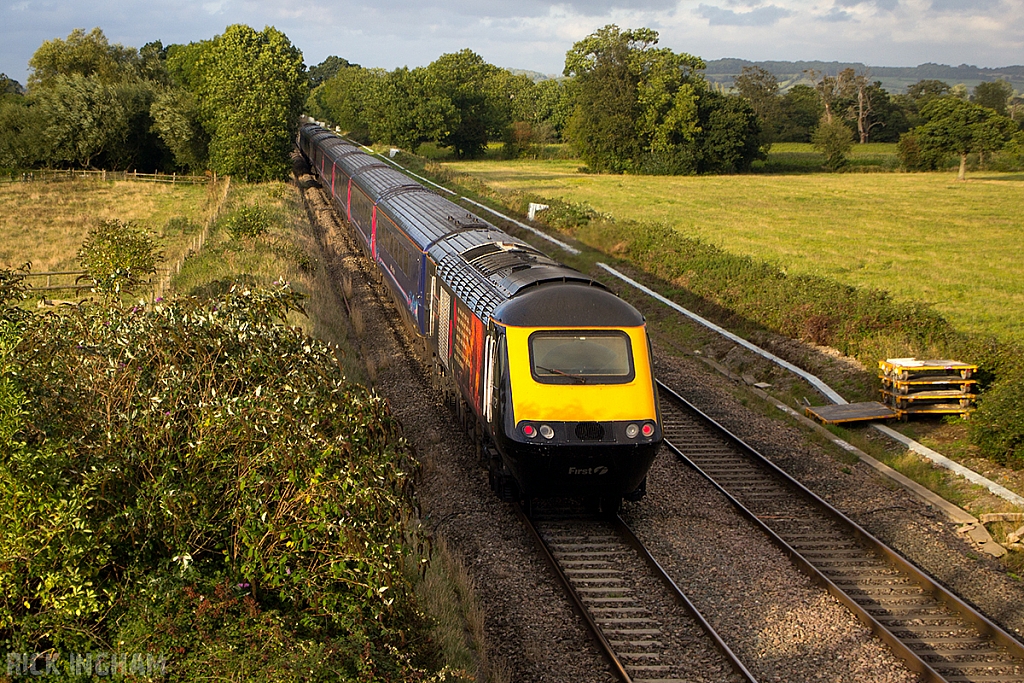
(581, 357)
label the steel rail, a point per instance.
(929, 586)
(681, 598)
(578, 605)
(629, 540)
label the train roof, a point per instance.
(381, 182)
(487, 268)
(568, 305)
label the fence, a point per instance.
(58, 176)
(78, 283)
(73, 280)
(165, 274)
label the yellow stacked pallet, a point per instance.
(913, 387)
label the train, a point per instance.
(551, 371)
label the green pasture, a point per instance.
(920, 236)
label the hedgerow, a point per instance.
(865, 323)
(195, 480)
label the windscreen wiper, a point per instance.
(555, 371)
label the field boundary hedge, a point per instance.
(868, 324)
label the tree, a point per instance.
(889, 119)
(993, 94)
(328, 69)
(9, 87)
(466, 81)
(833, 139)
(341, 100)
(801, 111)
(603, 125)
(863, 107)
(93, 99)
(730, 134)
(760, 87)
(250, 88)
(927, 89)
(554, 101)
(85, 118)
(84, 54)
(646, 109)
(18, 135)
(176, 120)
(403, 110)
(959, 127)
(833, 90)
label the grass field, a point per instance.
(921, 236)
(46, 222)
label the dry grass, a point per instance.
(447, 593)
(45, 223)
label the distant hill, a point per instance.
(895, 79)
(536, 76)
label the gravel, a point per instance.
(781, 625)
(916, 530)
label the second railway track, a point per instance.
(931, 629)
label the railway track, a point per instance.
(650, 632)
(931, 629)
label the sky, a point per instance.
(535, 35)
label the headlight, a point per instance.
(547, 432)
(632, 431)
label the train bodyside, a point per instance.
(486, 305)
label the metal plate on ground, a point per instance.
(850, 412)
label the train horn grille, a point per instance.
(589, 431)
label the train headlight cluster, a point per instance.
(530, 431)
(634, 430)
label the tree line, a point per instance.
(624, 105)
(230, 105)
(932, 121)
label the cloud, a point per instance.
(836, 15)
(961, 7)
(760, 16)
(887, 5)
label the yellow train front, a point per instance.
(575, 407)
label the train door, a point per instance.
(373, 233)
(444, 329)
(490, 367)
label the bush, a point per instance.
(196, 480)
(248, 222)
(913, 157)
(834, 140)
(119, 256)
(1011, 157)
